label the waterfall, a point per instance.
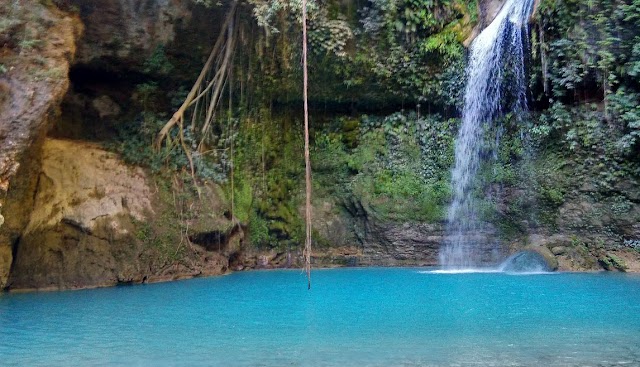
(495, 74)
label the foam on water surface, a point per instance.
(484, 271)
(461, 271)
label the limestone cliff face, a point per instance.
(98, 222)
(71, 214)
(397, 244)
(32, 89)
(588, 231)
(38, 51)
(81, 231)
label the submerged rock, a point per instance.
(546, 254)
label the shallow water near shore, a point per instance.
(350, 317)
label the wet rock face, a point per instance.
(387, 243)
(127, 31)
(489, 10)
(526, 262)
(390, 244)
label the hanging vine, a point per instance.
(307, 161)
(201, 106)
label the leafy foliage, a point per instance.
(391, 166)
(135, 141)
(417, 46)
(625, 110)
(589, 53)
(158, 63)
(589, 44)
(584, 128)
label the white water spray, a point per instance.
(497, 51)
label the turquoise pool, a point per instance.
(351, 317)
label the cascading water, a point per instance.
(495, 74)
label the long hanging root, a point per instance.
(208, 92)
(189, 156)
(307, 161)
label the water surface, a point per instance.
(351, 317)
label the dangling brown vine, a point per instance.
(307, 161)
(206, 92)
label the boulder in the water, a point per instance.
(527, 261)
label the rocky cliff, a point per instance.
(38, 45)
(73, 215)
(99, 222)
(76, 212)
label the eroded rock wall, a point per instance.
(98, 222)
(126, 32)
(593, 230)
(32, 87)
(76, 216)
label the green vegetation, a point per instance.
(416, 47)
(386, 84)
(593, 53)
(392, 164)
(158, 63)
(164, 235)
(612, 262)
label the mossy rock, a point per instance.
(612, 262)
